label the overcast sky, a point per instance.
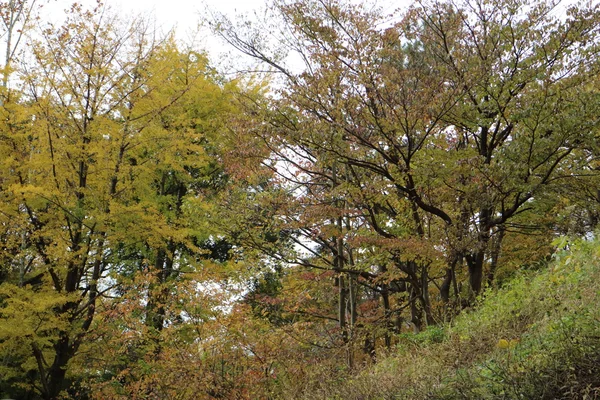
(185, 14)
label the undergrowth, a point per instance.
(538, 337)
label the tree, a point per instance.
(448, 127)
(111, 166)
(17, 18)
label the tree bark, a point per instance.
(387, 316)
(495, 255)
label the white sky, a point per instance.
(186, 14)
(183, 14)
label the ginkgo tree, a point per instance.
(110, 164)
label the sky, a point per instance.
(182, 14)
(185, 14)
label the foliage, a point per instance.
(310, 230)
(422, 160)
(535, 338)
(111, 162)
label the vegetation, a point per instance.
(375, 220)
(537, 337)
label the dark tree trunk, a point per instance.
(342, 299)
(446, 285)
(387, 315)
(415, 312)
(450, 279)
(475, 264)
(424, 297)
(495, 255)
(55, 378)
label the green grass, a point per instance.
(536, 338)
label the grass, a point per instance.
(538, 337)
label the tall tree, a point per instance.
(110, 154)
(17, 19)
(448, 125)
(522, 72)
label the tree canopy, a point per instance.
(168, 232)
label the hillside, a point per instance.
(536, 338)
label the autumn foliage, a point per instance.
(170, 231)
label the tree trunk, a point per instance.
(352, 295)
(56, 373)
(342, 298)
(425, 301)
(416, 317)
(475, 264)
(387, 316)
(446, 285)
(495, 254)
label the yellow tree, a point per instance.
(17, 17)
(107, 169)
